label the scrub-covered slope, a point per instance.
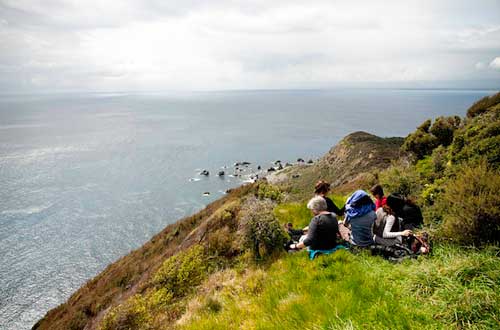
(225, 268)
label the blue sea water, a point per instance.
(86, 178)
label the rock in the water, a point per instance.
(280, 167)
(259, 168)
(245, 163)
(277, 162)
(206, 193)
(271, 169)
(205, 172)
(221, 173)
(310, 161)
(300, 160)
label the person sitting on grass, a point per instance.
(357, 227)
(406, 209)
(378, 193)
(295, 234)
(387, 228)
(323, 228)
(321, 189)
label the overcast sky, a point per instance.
(102, 45)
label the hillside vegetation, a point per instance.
(225, 268)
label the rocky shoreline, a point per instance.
(247, 174)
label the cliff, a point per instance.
(224, 267)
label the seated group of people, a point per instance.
(387, 221)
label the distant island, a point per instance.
(225, 267)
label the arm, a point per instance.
(387, 229)
(295, 231)
(336, 210)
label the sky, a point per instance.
(160, 45)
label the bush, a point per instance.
(131, 315)
(483, 105)
(266, 190)
(401, 179)
(420, 143)
(427, 137)
(470, 206)
(181, 272)
(479, 138)
(443, 129)
(220, 242)
(260, 230)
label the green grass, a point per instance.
(454, 289)
(298, 213)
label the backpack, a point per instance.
(412, 216)
(394, 253)
(419, 244)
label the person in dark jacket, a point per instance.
(323, 228)
(409, 213)
(321, 189)
(294, 234)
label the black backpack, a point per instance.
(412, 216)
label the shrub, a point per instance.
(431, 192)
(131, 315)
(483, 105)
(220, 242)
(401, 179)
(226, 215)
(427, 137)
(181, 272)
(479, 138)
(260, 230)
(470, 206)
(443, 129)
(160, 298)
(266, 190)
(420, 143)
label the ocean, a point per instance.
(86, 178)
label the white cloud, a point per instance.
(155, 44)
(495, 64)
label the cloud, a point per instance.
(193, 44)
(495, 64)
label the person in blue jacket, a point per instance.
(360, 216)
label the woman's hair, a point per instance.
(377, 190)
(322, 187)
(317, 204)
(395, 202)
(387, 209)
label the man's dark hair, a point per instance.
(377, 190)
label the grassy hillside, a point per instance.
(455, 288)
(224, 268)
